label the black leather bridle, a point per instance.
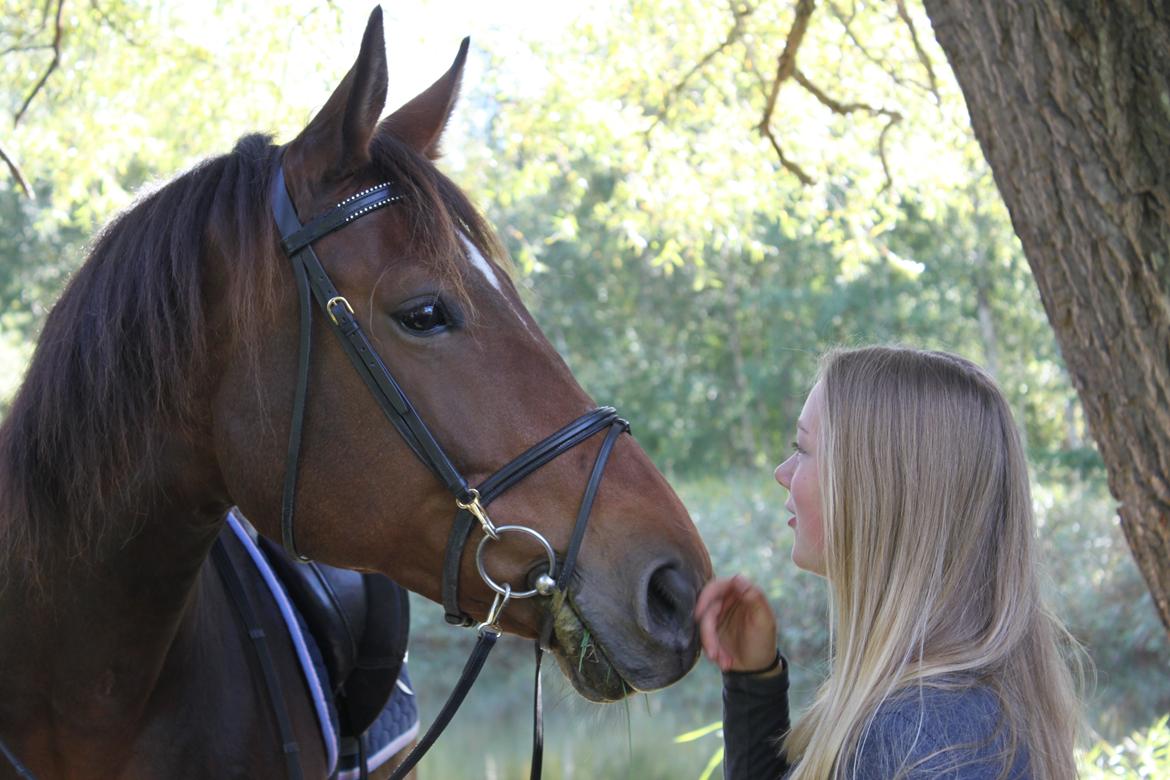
(314, 283)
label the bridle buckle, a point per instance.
(333, 302)
(478, 512)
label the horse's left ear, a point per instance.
(337, 141)
(420, 122)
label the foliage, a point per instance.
(687, 275)
(683, 270)
(1145, 753)
(141, 91)
(1093, 586)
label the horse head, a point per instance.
(427, 282)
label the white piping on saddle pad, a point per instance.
(294, 630)
(383, 755)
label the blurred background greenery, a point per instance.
(686, 273)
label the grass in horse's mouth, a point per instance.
(581, 650)
(573, 635)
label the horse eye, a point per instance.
(425, 318)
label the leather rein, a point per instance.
(313, 283)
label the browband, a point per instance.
(314, 282)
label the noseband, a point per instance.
(314, 283)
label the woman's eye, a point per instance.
(424, 318)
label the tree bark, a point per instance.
(1070, 100)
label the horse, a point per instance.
(165, 389)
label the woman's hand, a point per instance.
(736, 625)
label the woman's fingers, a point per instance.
(712, 591)
(709, 631)
(736, 625)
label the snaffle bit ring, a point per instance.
(500, 530)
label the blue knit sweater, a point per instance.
(920, 733)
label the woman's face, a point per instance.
(799, 475)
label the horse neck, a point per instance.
(90, 635)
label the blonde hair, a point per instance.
(931, 559)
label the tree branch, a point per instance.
(110, 23)
(922, 56)
(14, 169)
(787, 164)
(836, 107)
(52, 65)
(846, 24)
(739, 12)
(25, 47)
(785, 67)
(894, 119)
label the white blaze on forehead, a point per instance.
(480, 263)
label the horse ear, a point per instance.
(337, 141)
(420, 122)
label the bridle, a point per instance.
(313, 283)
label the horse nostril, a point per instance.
(670, 600)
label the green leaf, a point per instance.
(691, 736)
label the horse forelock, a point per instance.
(122, 353)
(440, 215)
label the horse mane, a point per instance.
(123, 355)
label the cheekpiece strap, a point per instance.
(311, 276)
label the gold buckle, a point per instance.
(478, 512)
(334, 300)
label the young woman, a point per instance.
(909, 493)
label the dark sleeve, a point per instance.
(755, 718)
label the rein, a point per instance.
(314, 283)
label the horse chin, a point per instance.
(582, 658)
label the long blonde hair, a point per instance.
(931, 559)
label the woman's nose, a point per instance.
(783, 473)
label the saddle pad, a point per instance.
(398, 723)
(395, 728)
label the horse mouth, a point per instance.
(581, 656)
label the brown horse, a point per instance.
(160, 396)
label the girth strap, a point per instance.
(243, 605)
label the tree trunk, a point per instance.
(1070, 100)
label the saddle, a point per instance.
(361, 623)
